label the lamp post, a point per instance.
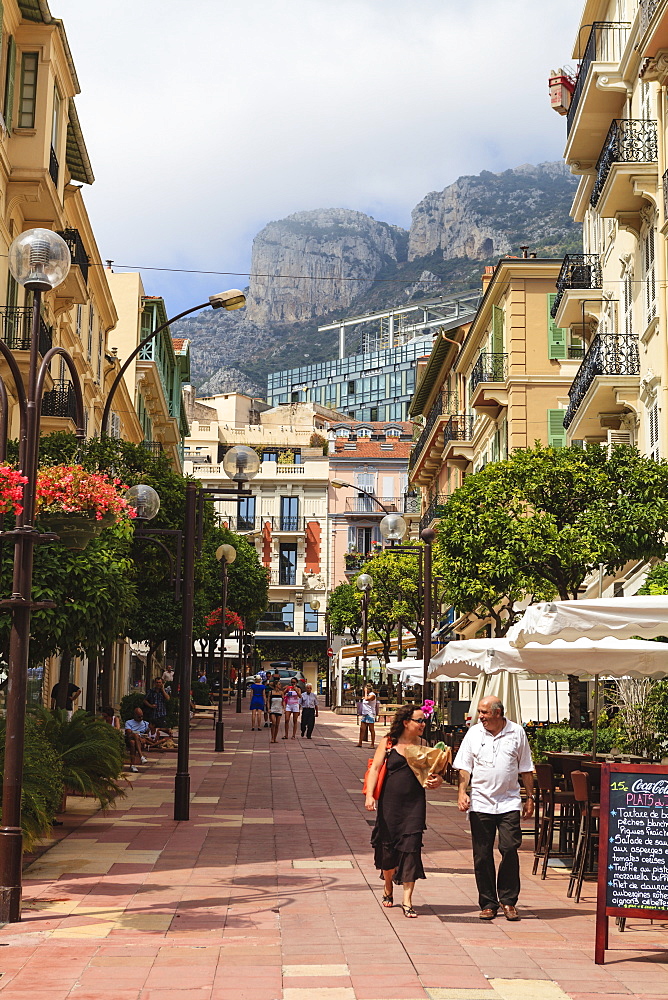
(225, 554)
(427, 536)
(365, 583)
(40, 261)
(393, 527)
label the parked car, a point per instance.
(286, 675)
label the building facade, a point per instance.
(286, 517)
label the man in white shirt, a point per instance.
(136, 732)
(493, 756)
(309, 707)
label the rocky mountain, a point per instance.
(317, 266)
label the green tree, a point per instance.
(344, 611)
(539, 523)
(396, 595)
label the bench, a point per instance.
(386, 710)
(207, 712)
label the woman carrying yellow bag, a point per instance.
(402, 805)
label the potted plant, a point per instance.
(77, 505)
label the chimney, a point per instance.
(487, 276)
(525, 251)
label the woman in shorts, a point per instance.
(275, 709)
(291, 700)
(368, 712)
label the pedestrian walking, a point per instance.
(275, 709)
(368, 712)
(493, 755)
(292, 708)
(309, 706)
(402, 807)
(258, 702)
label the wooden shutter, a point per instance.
(556, 432)
(497, 330)
(650, 275)
(556, 336)
(8, 109)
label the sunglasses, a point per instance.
(420, 722)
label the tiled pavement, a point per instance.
(269, 893)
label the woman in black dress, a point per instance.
(402, 808)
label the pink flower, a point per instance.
(11, 490)
(67, 489)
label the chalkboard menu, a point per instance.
(633, 846)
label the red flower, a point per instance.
(232, 620)
(11, 490)
(65, 489)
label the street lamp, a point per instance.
(340, 484)
(40, 261)
(393, 528)
(365, 583)
(241, 464)
(225, 554)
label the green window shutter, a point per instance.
(497, 330)
(556, 432)
(8, 107)
(556, 337)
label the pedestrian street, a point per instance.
(269, 892)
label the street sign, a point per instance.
(633, 848)
(330, 651)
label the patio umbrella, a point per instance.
(502, 685)
(622, 617)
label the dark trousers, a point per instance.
(308, 721)
(502, 887)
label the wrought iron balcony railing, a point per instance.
(355, 560)
(434, 510)
(609, 354)
(411, 504)
(629, 140)
(605, 44)
(488, 368)
(155, 447)
(647, 11)
(16, 326)
(79, 256)
(579, 270)
(372, 505)
(446, 402)
(60, 401)
(459, 428)
(53, 166)
(286, 522)
(286, 576)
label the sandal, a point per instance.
(387, 901)
(408, 911)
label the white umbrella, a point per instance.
(502, 685)
(582, 657)
(622, 617)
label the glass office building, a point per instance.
(377, 386)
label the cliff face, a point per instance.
(299, 262)
(485, 216)
(315, 249)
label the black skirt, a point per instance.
(400, 822)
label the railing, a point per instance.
(196, 457)
(446, 402)
(411, 503)
(371, 505)
(289, 470)
(53, 166)
(579, 270)
(459, 428)
(647, 11)
(79, 256)
(609, 354)
(605, 44)
(60, 401)
(629, 140)
(16, 324)
(488, 368)
(287, 523)
(286, 577)
(575, 353)
(434, 510)
(355, 562)
(155, 447)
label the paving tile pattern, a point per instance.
(269, 892)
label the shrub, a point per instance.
(553, 739)
(42, 783)
(201, 693)
(128, 705)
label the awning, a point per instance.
(621, 617)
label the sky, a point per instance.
(205, 120)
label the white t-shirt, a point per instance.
(137, 726)
(495, 764)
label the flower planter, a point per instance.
(76, 529)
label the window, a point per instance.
(100, 353)
(556, 336)
(56, 119)
(79, 321)
(649, 276)
(278, 617)
(289, 513)
(310, 619)
(114, 425)
(10, 71)
(351, 388)
(496, 342)
(342, 432)
(270, 455)
(12, 291)
(556, 432)
(364, 539)
(287, 564)
(627, 301)
(28, 97)
(246, 514)
(653, 431)
(363, 432)
(91, 319)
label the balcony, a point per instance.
(592, 106)
(286, 576)
(593, 390)
(411, 503)
(371, 505)
(626, 168)
(580, 274)
(446, 403)
(433, 511)
(287, 523)
(487, 391)
(16, 323)
(355, 560)
(457, 440)
(77, 251)
(155, 447)
(653, 36)
(60, 401)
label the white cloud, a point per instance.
(206, 120)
